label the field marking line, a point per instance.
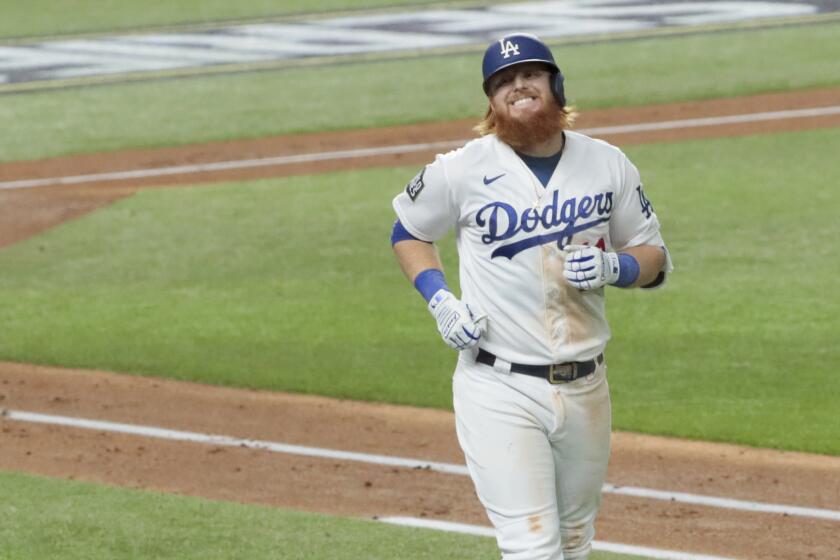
(448, 468)
(482, 531)
(401, 149)
(227, 165)
(227, 441)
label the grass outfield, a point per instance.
(45, 518)
(42, 17)
(173, 112)
(290, 284)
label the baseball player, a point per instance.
(545, 219)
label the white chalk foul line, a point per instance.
(722, 502)
(716, 121)
(481, 531)
(399, 149)
(229, 165)
(449, 468)
(226, 441)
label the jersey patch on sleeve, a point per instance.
(647, 207)
(413, 188)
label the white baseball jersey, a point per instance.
(509, 229)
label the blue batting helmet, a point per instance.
(519, 48)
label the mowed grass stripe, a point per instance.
(46, 518)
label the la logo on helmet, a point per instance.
(508, 47)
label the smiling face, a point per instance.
(524, 112)
(521, 91)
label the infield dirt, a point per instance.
(357, 489)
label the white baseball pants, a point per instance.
(537, 454)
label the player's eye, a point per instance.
(502, 81)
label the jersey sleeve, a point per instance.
(634, 221)
(425, 207)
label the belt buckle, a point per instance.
(562, 373)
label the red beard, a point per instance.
(537, 128)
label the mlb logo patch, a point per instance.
(413, 188)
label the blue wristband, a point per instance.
(628, 271)
(429, 282)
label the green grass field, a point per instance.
(209, 283)
(173, 112)
(43, 518)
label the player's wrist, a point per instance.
(429, 282)
(436, 303)
(628, 270)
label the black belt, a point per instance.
(554, 373)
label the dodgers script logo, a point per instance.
(508, 47)
(559, 221)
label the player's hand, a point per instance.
(589, 268)
(457, 324)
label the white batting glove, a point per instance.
(457, 325)
(589, 268)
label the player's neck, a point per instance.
(547, 148)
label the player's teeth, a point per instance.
(523, 101)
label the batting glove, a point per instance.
(589, 268)
(457, 325)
